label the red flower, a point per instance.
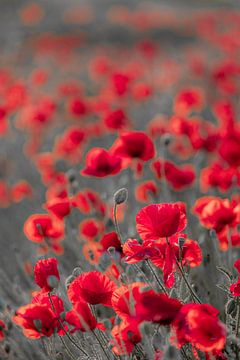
(91, 228)
(198, 325)
(37, 320)
(111, 240)
(125, 337)
(46, 273)
(115, 119)
(161, 220)
(21, 190)
(120, 83)
(59, 207)
(124, 299)
(188, 100)
(40, 226)
(168, 253)
(133, 145)
(145, 191)
(69, 145)
(157, 307)
(101, 163)
(77, 107)
(92, 287)
(215, 213)
(55, 303)
(135, 252)
(216, 175)
(81, 317)
(229, 149)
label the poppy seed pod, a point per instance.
(120, 196)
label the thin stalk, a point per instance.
(100, 343)
(116, 223)
(156, 277)
(194, 295)
(238, 318)
(65, 331)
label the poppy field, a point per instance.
(119, 180)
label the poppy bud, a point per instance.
(120, 196)
(181, 242)
(115, 255)
(69, 280)
(76, 271)
(52, 281)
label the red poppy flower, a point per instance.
(20, 190)
(161, 220)
(59, 207)
(92, 287)
(145, 191)
(81, 317)
(77, 107)
(40, 226)
(120, 83)
(235, 288)
(141, 91)
(55, 303)
(133, 145)
(92, 251)
(111, 240)
(198, 325)
(36, 320)
(46, 273)
(188, 100)
(135, 252)
(91, 228)
(124, 299)
(69, 145)
(125, 337)
(115, 119)
(229, 149)
(168, 253)
(215, 213)
(157, 307)
(218, 176)
(101, 163)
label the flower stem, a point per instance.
(100, 343)
(194, 295)
(156, 277)
(116, 223)
(63, 328)
(238, 318)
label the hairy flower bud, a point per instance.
(120, 196)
